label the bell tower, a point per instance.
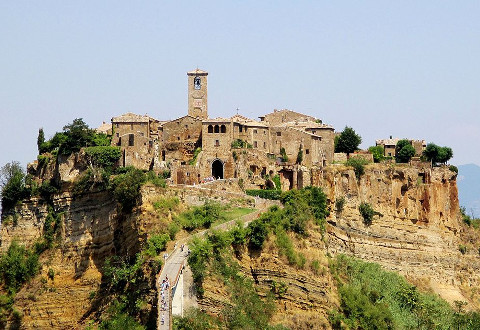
(197, 94)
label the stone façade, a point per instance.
(152, 144)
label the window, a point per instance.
(131, 126)
(264, 145)
(223, 129)
(279, 133)
(118, 134)
(131, 140)
(264, 132)
(314, 132)
(186, 126)
(216, 129)
(118, 125)
(178, 138)
(210, 129)
(307, 151)
(254, 131)
(254, 144)
(217, 143)
(240, 128)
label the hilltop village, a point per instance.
(196, 148)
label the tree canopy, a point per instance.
(437, 154)
(75, 135)
(12, 184)
(348, 141)
(404, 151)
(377, 152)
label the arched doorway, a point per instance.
(217, 169)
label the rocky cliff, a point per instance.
(418, 234)
(417, 231)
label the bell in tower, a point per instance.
(197, 94)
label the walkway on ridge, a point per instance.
(177, 259)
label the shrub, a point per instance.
(264, 193)
(51, 274)
(47, 189)
(462, 249)
(257, 233)
(300, 155)
(367, 212)
(378, 153)
(340, 204)
(197, 151)
(126, 188)
(358, 164)
(156, 180)
(156, 244)
(103, 156)
(453, 168)
(238, 144)
(90, 180)
(276, 180)
(17, 266)
(283, 155)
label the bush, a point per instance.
(17, 266)
(358, 164)
(340, 204)
(283, 155)
(462, 249)
(300, 155)
(265, 193)
(453, 168)
(126, 188)
(156, 244)
(197, 151)
(238, 144)
(156, 180)
(367, 212)
(257, 233)
(90, 180)
(202, 216)
(378, 153)
(103, 156)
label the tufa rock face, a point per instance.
(417, 233)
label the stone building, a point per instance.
(195, 147)
(390, 144)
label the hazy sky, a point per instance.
(403, 68)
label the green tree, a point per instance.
(404, 151)
(40, 140)
(348, 141)
(78, 135)
(437, 154)
(12, 184)
(377, 152)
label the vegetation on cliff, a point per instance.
(372, 298)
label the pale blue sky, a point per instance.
(404, 68)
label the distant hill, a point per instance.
(468, 182)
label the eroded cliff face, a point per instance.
(91, 231)
(418, 231)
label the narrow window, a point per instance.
(223, 129)
(240, 128)
(217, 143)
(254, 144)
(264, 145)
(216, 129)
(131, 140)
(307, 151)
(279, 133)
(210, 129)
(131, 126)
(254, 131)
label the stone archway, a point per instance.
(217, 169)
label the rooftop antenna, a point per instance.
(237, 110)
